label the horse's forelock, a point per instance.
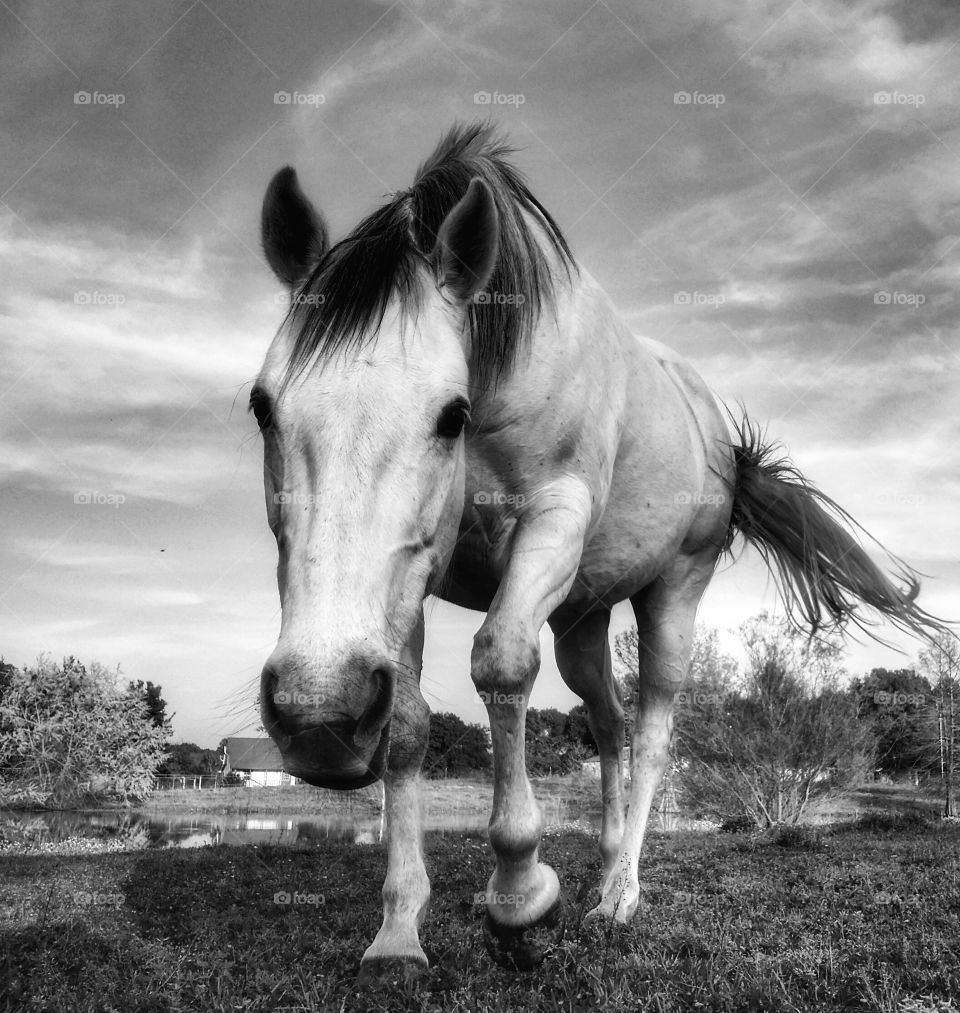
(342, 303)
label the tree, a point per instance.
(577, 730)
(7, 673)
(941, 662)
(789, 736)
(548, 748)
(455, 747)
(816, 660)
(155, 704)
(189, 758)
(897, 704)
(70, 735)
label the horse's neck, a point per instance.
(578, 350)
(585, 381)
(568, 383)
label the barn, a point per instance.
(258, 760)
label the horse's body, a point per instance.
(653, 460)
(530, 459)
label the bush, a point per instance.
(70, 736)
(738, 825)
(910, 819)
(793, 836)
(785, 739)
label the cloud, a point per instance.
(133, 322)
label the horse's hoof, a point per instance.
(595, 916)
(606, 913)
(390, 971)
(523, 947)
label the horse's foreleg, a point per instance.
(406, 889)
(523, 895)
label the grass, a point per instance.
(852, 918)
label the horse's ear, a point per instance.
(293, 234)
(466, 250)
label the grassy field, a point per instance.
(856, 918)
(298, 799)
(462, 795)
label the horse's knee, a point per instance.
(503, 662)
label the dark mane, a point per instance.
(342, 302)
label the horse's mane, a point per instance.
(341, 304)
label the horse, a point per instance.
(452, 406)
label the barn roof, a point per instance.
(253, 754)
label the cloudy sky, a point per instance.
(773, 188)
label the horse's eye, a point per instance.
(452, 419)
(260, 406)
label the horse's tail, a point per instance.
(807, 541)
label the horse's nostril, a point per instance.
(378, 710)
(269, 712)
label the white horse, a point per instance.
(454, 407)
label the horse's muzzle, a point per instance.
(324, 744)
(329, 756)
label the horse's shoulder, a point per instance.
(677, 367)
(666, 356)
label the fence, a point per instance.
(167, 782)
(668, 809)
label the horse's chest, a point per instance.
(479, 560)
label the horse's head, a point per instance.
(362, 415)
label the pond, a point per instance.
(184, 830)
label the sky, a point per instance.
(772, 188)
